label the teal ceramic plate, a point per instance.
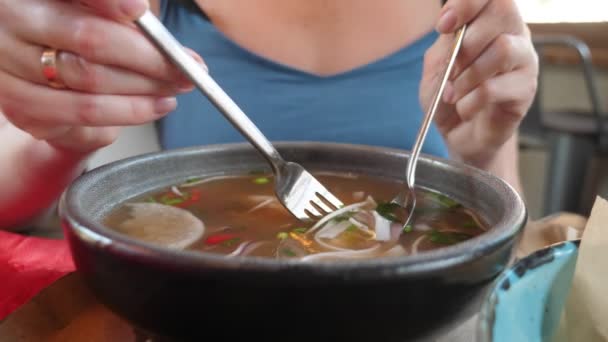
(526, 301)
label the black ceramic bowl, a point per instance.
(205, 297)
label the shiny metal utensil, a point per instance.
(407, 197)
(299, 191)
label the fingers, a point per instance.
(492, 19)
(85, 139)
(124, 10)
(505, 54)
(25, 103)
(507, 94)
(456, 13)
(98, 40)
(79, 74)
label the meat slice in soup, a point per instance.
(242, 217)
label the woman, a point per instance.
(341, 70)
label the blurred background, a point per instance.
(564, 138)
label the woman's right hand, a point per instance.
(113, 75)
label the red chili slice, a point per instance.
(219, 238)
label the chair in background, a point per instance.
(572, 138)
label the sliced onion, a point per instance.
(396, 229)
(247, 248)
(252, 247)
(358, 224)
(475, 218)
(337, 174)
(349, 254)
(218, 230)
(416, 243)
(262, 204)
(331, 231)
(239, 249)
(382, 227)
(329, 246)
(397, 250)
(346, 209)
(176, 191)
(423, 227)
(359, 195)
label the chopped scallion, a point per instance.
(408, 228)
(288, 252)
(231, 242)
(388, 210)
(282, 236)
(300, 230)
(261, 180)
(444, 200)
(447, 238)
(352, 228)
(471, 224)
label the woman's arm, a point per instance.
(504, 163)
(32, 174)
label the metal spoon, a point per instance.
(407, 197)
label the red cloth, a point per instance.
(28, 265)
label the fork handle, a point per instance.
(159, 34)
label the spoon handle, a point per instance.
(164, 40)
(430, 114)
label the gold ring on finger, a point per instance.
(49, 68)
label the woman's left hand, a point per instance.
(493, 82)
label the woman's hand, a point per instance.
(113, 75)
(494, 79)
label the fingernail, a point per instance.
(447, 22)
(133, 8)
(448, 93)
(164, 105)
(185, 89)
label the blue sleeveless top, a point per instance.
(376, 104)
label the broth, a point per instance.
(241, 216)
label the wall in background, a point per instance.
(563, 88)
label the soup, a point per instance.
(240, 216)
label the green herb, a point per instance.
(408, 228)
(300, 230)
(288, 252)
(447, 238)
(192, 180)
(344, 217)
(388, 210)
(282, 236)
(444, 200)
(151, 200)
(172, 201)
(231, 242)
(470, 224)
(261, 180)
(352, 228)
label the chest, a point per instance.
(322, 37)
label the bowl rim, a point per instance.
(95, 235)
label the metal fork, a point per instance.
(298, 190)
